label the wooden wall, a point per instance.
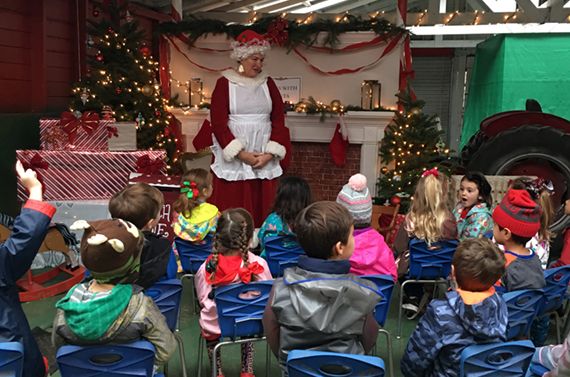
(39, 53)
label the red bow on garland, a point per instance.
(71, 124)
(245, 273)
(146, 165)
(36, 163)
(429, 172)
(277, 32)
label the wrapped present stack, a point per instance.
(75, 162)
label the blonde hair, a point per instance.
(546, 217)
(429, 208)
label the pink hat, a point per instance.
(248, 43)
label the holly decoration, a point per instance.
(288, 33)
(99, 57)
(118, 90)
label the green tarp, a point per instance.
(509, 69)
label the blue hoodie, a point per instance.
(448, 326)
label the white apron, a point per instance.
(249, 121)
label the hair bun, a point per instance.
(357, 182)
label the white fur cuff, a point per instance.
(232, 150)
(275, 149)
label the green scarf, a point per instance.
(89, 320)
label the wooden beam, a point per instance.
(237, 5)
(284, 4)
(79, 37)
(348, 7)
(38, 33)
(204, 6)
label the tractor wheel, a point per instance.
(525, 150)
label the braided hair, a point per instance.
(233, 232)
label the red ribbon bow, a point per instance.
(37, 162)
(147, 165)
(245, 273)
(429, 172)
(112, 131)
(71, 124)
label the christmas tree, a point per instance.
(121, 80)
(412, 143)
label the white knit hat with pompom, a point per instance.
(355, 196)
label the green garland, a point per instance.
(312, 106)
(298, 33)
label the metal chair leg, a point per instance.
(201, 346)
(181, 353)
(401, 302)
(267, 359)
(390, 350)
(214, 357)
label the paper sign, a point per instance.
(290, 88)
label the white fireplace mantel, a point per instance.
(364, 127)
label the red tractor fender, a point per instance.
(497, 123)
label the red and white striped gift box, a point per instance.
(85, 175)
(54, 138)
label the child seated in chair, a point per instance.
(230, 262)
(473, 313)
(517, 219)
(318, 305)
(371, 253)
(141, 204)
(16, 256)
(109, 308)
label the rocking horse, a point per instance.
(49, 283)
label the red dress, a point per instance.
(247, 114)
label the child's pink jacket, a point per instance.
(371, 254)
(209, 314)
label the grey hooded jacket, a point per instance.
(320, 311)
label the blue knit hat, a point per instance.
(355, 196)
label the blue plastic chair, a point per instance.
(330, 364)
(167, 295)
(385, 284)
(192, 256)
(497, 359)
(240, 311)
(107, 360)
(11, 359)
(522, 307)
(536, 370)
(282, 252)
(428, 264)
(557, 280)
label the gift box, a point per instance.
(86, 133)
(87, 175)
(126, 139)
(170, 188)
